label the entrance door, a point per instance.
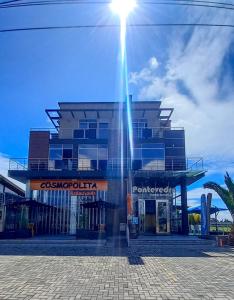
(162, 217)
(141, 213)
(150, 216)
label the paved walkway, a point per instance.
(70, 271)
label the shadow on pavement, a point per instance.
(135, 254)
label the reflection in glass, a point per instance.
(149, 157)
(162, 217)
(92, 157)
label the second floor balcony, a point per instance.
(113, 164)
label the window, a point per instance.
(153, 153)
(149, 157)
(55, 152)
(85, 134)
(92, 157)
(140, 129)
(91, 134)
(93, 125)
(90, 129)
(67, 153)
(103, 130)
(137, 153)
(89, 123)
(146, 133)
(79, 134)
(140, 123)
(103, 125)
(83, 125)
(91, 153)
(60, 157)
(102, 152)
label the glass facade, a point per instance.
(92, 157)
(149, 156)
(156, 213)
(91, 129)
(60, 157)
(64, 213)
(89, 146)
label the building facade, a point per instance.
(108, 164)
(9, 193)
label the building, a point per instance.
(106, 164)
(9, 193)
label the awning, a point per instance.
(30, 203)
(197, 209)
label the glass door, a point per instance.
(141, 212)
(162, 217)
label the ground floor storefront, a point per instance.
(99, 208)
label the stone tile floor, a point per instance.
(72, 271)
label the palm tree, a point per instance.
(227, 195)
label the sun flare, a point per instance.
(123, 7)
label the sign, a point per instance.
(83, 193)
(69, 185)
(135, 220)
(152, 190)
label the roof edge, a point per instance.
(11, 185)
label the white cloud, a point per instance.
(195, 194)
(191, 84)
(4, 167)
(198, 84)
(147, 73)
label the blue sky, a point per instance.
(189, 69)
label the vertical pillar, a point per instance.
(184, 208)
(28, 192)
(73, 215)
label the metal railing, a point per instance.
(105, 133)
(169, 164)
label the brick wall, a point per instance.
(39, 144)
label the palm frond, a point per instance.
(224, 194)
(229, 183)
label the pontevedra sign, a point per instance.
(152, 190)
(69, 185)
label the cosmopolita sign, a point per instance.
(69, 185)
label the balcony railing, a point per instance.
(106, 133)
(170, 164)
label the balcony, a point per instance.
(156, 133)
(170, 164)
(81, 134)
(172, 169)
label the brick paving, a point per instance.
(71, 271)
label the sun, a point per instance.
(123, 7)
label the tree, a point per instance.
(227, 195)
